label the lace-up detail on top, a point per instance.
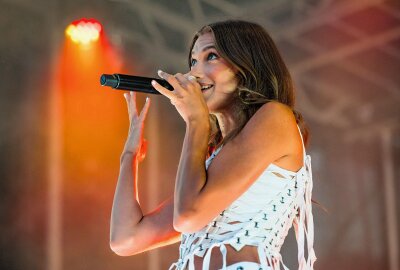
(261, 217)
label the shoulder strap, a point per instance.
(304, 223)
(302, 143)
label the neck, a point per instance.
(228, 120)
(226, 123)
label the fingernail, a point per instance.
(147, 99)
(153, 82)
(160, 72)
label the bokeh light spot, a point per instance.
(84, 31)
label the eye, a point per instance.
(193, 62)
(212, 56)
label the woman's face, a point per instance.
(215, 75)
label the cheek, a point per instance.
(227, 77)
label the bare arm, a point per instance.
(271, 134)
(132, 231)
(126, 211)
(191, 176)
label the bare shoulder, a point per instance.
(273, 122)
(275, 108)
(275, 112)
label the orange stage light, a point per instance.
(84, 31)
(93, 117)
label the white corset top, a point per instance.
(261, 217)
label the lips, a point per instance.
(206, 86)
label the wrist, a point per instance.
(197, 133)
(128, 156)
(199, 123)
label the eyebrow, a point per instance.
(206, 48)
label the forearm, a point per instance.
(126, 211)
(191, 175)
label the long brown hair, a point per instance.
(262, 74)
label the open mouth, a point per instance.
(206, 87)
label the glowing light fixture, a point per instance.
(84, 31)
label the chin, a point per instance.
(212, 106)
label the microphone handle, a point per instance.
(132, 83)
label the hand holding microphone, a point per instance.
(182, 90)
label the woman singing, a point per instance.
(243, 178)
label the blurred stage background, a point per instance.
(61, 134)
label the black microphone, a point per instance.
(132, 83)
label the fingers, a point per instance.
(163, 91)
(192, 78)
(130, 99)
(145, 109)
(181, 84)
(186, 80)
(171, 80)
(127, 99)
(133, 102)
